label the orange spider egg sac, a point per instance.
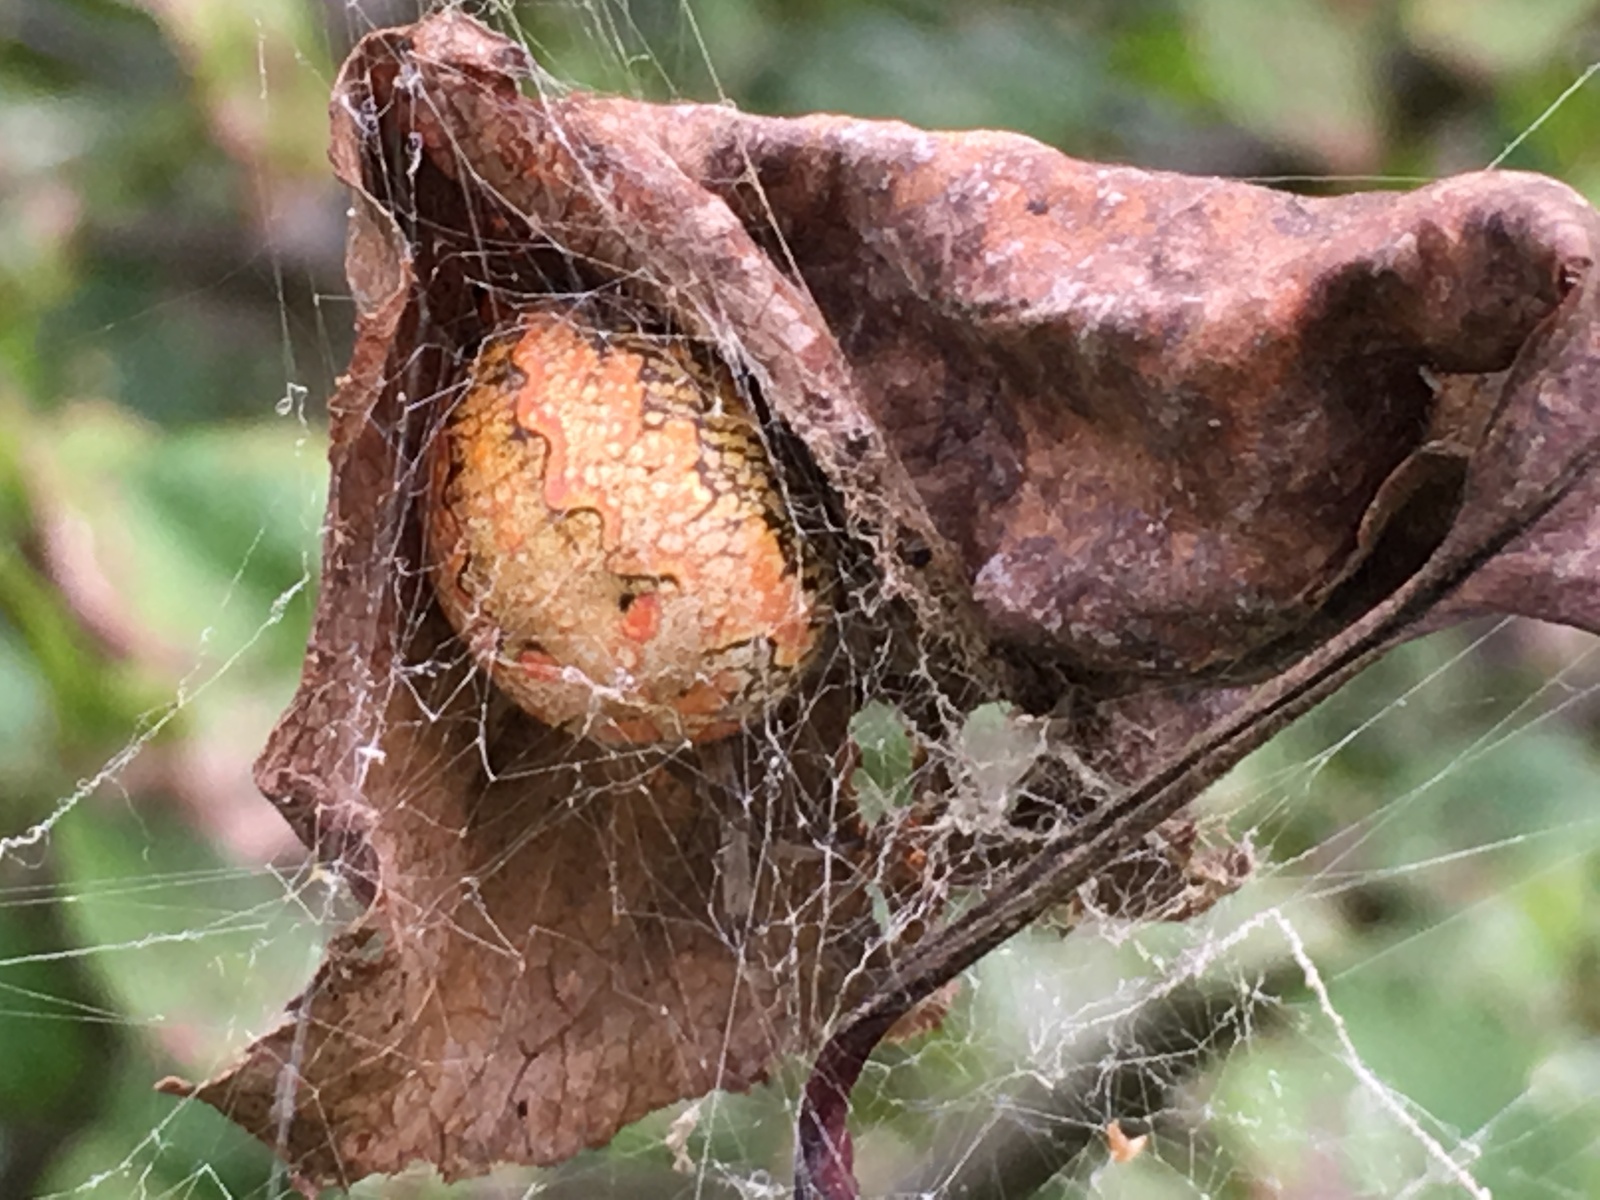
(605, 533)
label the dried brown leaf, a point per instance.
(1089, 428)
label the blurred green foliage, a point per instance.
(172, 315)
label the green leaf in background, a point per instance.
(886, 744)
(984, 66)
(29, 728)
(1299, 72)
(199, 530)
(1495, 37)
(201, 952)
(198, 955)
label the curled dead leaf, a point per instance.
(1066, 430)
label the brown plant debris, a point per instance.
(1105, 447)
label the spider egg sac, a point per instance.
(605, 532)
